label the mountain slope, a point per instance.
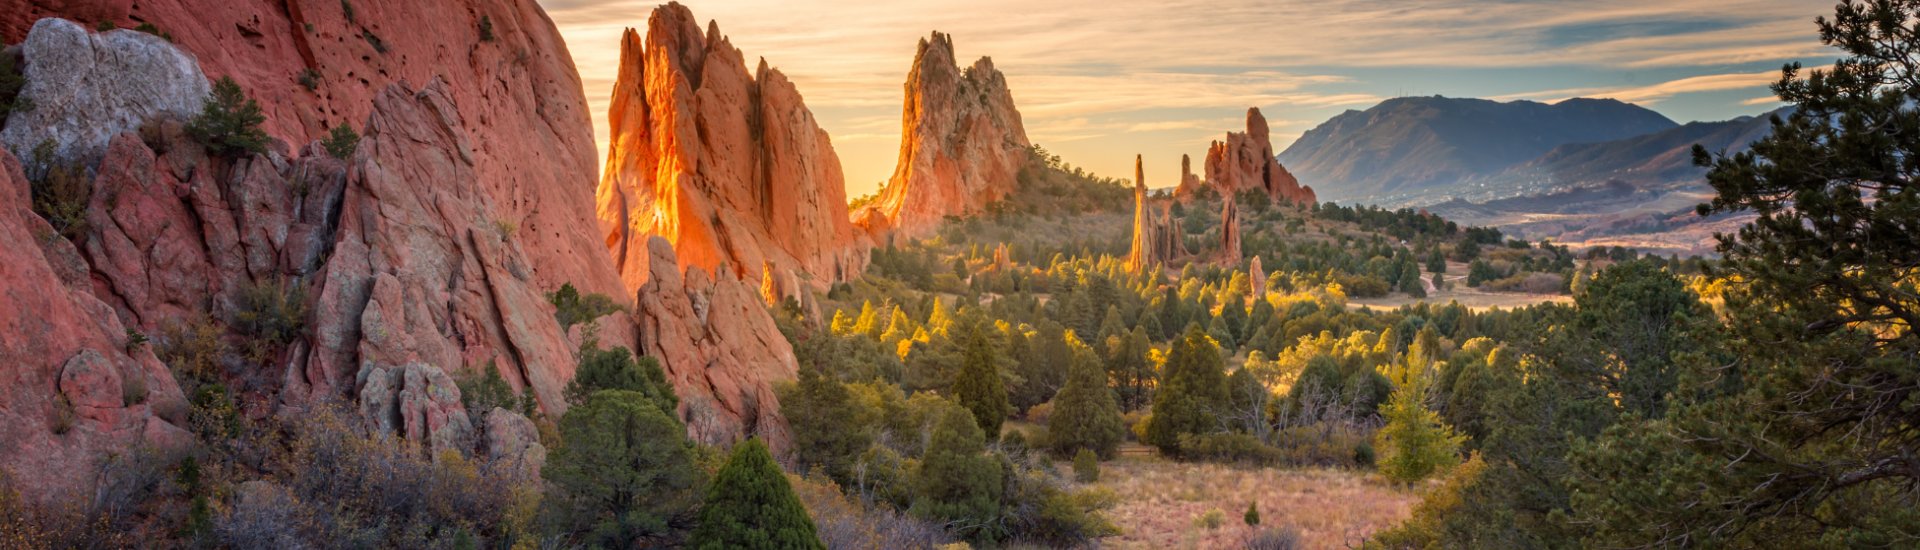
(1658, 158)
(1406, 147)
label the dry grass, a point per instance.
(1160, 499)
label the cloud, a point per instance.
(1175, 70)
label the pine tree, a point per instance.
(825, 422)
(1193, 383)
(957, 482)
(978, 386)
(1084, 413)
(229, 121)
(751, 506)
(623, 473)
(616, 369)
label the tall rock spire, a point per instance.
(1246, 161)
(962, 144)
(1155, 239)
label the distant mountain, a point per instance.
(1647, 161)
(1407, 149)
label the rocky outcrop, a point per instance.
(74, 388)
(1156, 238)
(962, 144)
(1246, 161)
(316, 64)
(1190, 183)
(513, 439)
(729, 167)
(1229, 252)
(418, 402)
(1258, 277)
(86, 87)
(421, 271)
(719, 348)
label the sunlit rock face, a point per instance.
(962, 144)
(1246, 161)
(1156, 239)
(729, 167)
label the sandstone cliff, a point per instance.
(1246, 161)
(962, 144)
(425, 253)
(731, 168)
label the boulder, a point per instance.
(513, 440)
(418, 402)
(87, 87)
(729, 167)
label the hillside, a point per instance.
(1407, 148)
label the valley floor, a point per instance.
(1161, 501)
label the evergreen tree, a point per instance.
(1084, 413)
(826, 425)
(751, 506)
(616, 369)
(229, 121)
(1192, 385)
(978, 386)
(957, 484)
(623, 473)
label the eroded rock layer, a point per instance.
(962, 144)
(730, 168)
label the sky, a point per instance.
(1098, 81)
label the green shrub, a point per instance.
(484, 390)
(572, 308)
(105, 25)
(133, 388)
(11, 81)
(272, 312)
(135, 339)
(1228, 447)
(379, 46)
(1212, 519)
(341, 141)
(60, 191)
(1086, 466)
(229, 121)
(486, 29)
(1276, 538)
(309, 78)
(152, 29)
(1252, 517)
(751, 506)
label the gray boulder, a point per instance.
(86, 87)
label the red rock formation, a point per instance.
(1246, 161)
(467, 200)
(1258, 277)
(1189, 182)
(1156, 239)
(730, 168)
(962, 144)
(719, 348)
(66, 363)
(519, 94)
(1229, 252)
